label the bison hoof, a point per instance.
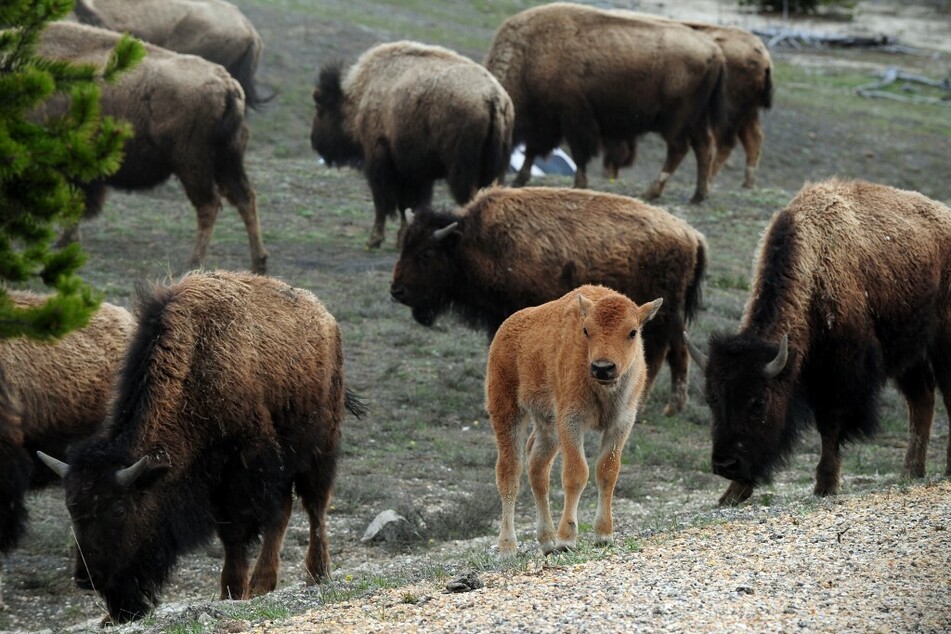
(825, 490)
(697, 198)
(562, 548)
(735, 493)
(259, 266)
(604, 540)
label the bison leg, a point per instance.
(234, 184)
(207, 214)
(606, 472)
(736, 493)
(941, 362)
(234, 571)
(574, 477)
(751, 136)
(918, 387)
(542, 447)
(264, 577)
(315, 489)
(525, 171)
(725, 142)
(676, 151)
(248, 208)
(703, 146)
(830, 463)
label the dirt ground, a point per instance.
(426, 449)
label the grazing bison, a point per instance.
(51, 395)
(513, 248)
(189, 120)
(852, 287)
(749, 87)
(230, 397)
(573, 364)
(411, 114)
(213, 29)
(585, 75)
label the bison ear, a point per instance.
(585, 305)
(649, 310)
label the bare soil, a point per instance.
(426, 449)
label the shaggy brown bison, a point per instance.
(573, 364)
(411, 114)
(51, 395)
(213, 29)
(852, 287)
(189, 120)
(749, 87)
(231, 396)
(585, 75)
(513, 248)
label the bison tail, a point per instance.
(354, 404)
(717, 109)
(243, 70)
(495, 149)
(766, 99)
(694, 300)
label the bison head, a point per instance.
(749, 391)
(117, 528)
(612, 328)
(426, 272)
(330, 134)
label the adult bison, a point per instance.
(572, 364)
(584, 75)
(749, 87)
(852, 287)
(230, 397)
(513, 248)
(51, 395)
(188, 117)
(213, 29)
(411, 114)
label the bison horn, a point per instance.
(125, 477)
(440, 234)
(774, 367)
(698, 357)
(59, 467)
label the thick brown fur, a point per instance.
(749, 87)
(410, 114)
(571, 365)
(858, 276)
(188, 116)
(213, 29)
(52, 394)
(514, 248)
(587, 75)
(232, 394)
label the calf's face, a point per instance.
(612, 330)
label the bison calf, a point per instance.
(513, 248)
(411, 114)
(188, 117)
(572, 364)
(851, 287)
(231, 397)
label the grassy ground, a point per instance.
(426, 449)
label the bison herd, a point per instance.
(224, 395)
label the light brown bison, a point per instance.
(586, 75)
(852, 287)
(513, 248)
(213, 29)
(231, 397)
(189, 120)
(411, 114)
(571, 365)
(52, 394)
(749, 87)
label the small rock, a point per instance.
(388, 526)
(466, 583)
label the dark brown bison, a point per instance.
(213, 29)
(411, 114)
(189, 120)
(513, 248)
(231, 396)
(749, 87)
(585, 75)
(569, 365)
(852, 287)
(51, 395)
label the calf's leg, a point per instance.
(918, 387)
(315, 489)
(264, 577)
(542, 447)
(574, 477)
(508, 469)
(606, 472)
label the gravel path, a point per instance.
(874, 563)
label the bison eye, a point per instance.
(633, 333)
